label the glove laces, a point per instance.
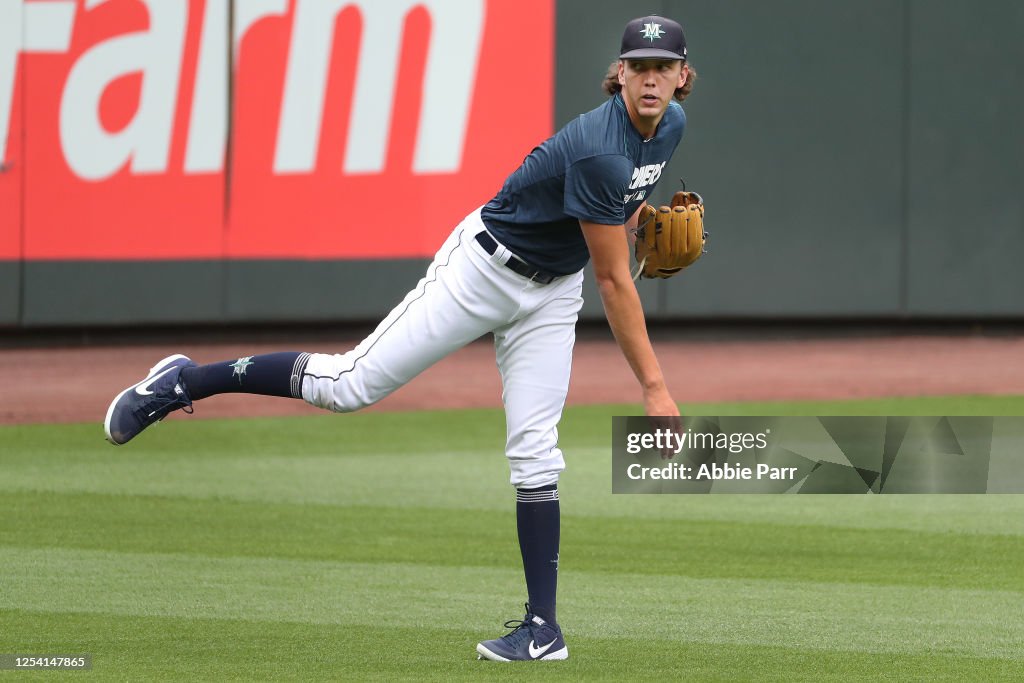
(639, 268)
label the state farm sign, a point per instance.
(263, 128)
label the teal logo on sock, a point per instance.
(240, 365)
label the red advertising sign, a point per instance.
(11, 119)
(153, 134)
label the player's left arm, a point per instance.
(610, 255)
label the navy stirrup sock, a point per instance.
(538, 519)
(272, 374)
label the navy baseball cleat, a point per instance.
(149, 401)
(531, 639)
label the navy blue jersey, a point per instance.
(597, 168)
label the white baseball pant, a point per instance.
(465, 294)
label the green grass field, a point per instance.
(382, 547)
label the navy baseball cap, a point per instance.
(653, 37)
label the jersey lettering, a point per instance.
(646, 175)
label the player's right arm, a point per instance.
(609, 253)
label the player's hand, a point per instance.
(663, 413)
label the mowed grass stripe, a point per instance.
(468, 480)
(784, 612)
(441, 430)
(219, 649)
(458, 480)
(341, 460)
(144, 524)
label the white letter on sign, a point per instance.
(47, 28)
(456, 28)
(452, 61)
(91, 151)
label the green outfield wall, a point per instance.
(858, 158)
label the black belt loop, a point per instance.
(515, 263)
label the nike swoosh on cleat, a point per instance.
(536, 652)
(141, 389)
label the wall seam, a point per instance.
(21, 73)
(225, 269)
(904, 283)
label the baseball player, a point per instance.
(512, 268)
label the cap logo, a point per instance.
(652, 31)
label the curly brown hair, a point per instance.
(611, 85)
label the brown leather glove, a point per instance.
(670, 238)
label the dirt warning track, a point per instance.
(75, 384)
